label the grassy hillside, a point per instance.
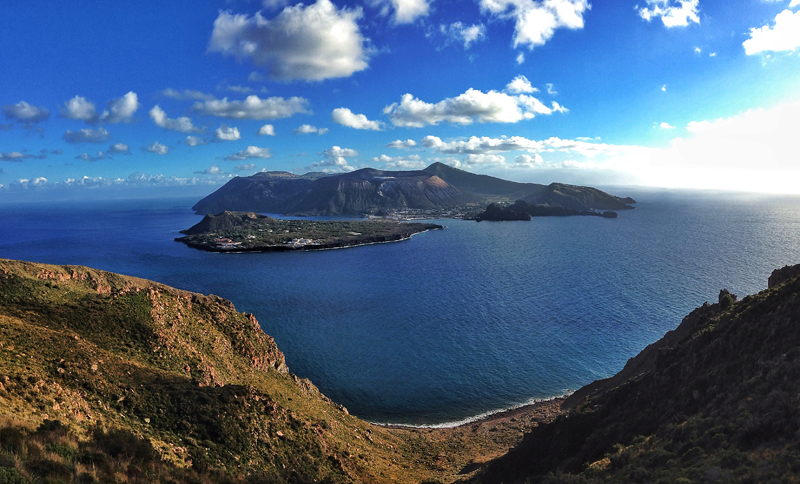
(105, 375)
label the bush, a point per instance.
(11, 476)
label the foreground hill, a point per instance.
(370, 191)
(108, 378)
(715, 400)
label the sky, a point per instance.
(105, 99)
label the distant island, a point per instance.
(522, 210)
(438, 191)
(251, 232)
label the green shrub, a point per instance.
(10, 475)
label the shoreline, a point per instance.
(547, 405)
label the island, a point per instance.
(252, 232)
(522, 210)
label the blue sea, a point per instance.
(453, 323)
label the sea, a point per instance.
(456, 323)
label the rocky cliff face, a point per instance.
(715, 400)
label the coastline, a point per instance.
(536, 408)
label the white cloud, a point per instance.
(274, 4)
(551, 90)
(247, 167)
(520, 58)
(713, 54)
(535, 21)
(80, 109)
(194, 141)
(411, 162)
(481, 159)
(400, 144)
(783, 36)
(520, 84)
(528, 160)
(472, 106)
(17, 156)
(181, 125)
(794, 3)
(335, 160)
(119, 149)
(250, 152)
(187, 94)
(121, 110)
(225, 133)
(345, 117)
(157, 148)
(308, 129)
(87, 157)
(98, 135)
(312, 42)
(664, 87)
(25, 113)
(253, 107)
(405, 11)
(431, 141)
(212, 170)
(25, 183)
(266, 130)
(486, 145)
(463, 34)
(666, 125)
(673, 13)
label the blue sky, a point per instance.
(103, 99)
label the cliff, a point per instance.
(715, 400)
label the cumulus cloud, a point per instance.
(266, 130)
(673, 13)
(345, 117)
(520, 84)
(529, 160)
(253, 107)
(405, 11)
(536, 22)
(520, 58)
(119, 110)
(156, 148)
(25, 113)
(87, 157)
(87, 135)
(225, 133)
(212, 170)
(400, 144)
(460, 33)
(308, 129)
(194, 141)
(17, 156)
(486, 145)
(483, 159)
(411, 162)
(250, 152)
(665, 125)
(783, 36)
(335, 160)
(25, 183)
(247, 167)
(314, 42)
(119, 149)
(181, 125)
(472, 106)
(186, 94)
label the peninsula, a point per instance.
(251, 232)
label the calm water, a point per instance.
(453, 323)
